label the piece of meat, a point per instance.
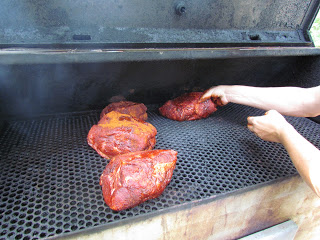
(118, 133)
(188, 107)
(138, 110)
(132, 178)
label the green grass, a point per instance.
(315, 31)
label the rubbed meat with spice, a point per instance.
(188, 107)
(138, 110)
(118, 133)
(132, 178)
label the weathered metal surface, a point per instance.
(284, 231)
(206, 14)
(230, 217)
(145, 21)
(51, 56)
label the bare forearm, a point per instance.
(291, 101)
(304, 156)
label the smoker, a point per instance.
(62, 62)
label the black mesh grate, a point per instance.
(49, 181)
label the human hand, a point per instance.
(269, 127)
(217, 94)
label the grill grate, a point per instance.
(49, 176)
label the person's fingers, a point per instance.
(269, 112)
(219, 101)
(216, 95)
(206, 96)
(250, 120)
(250, 127)
(250, 123)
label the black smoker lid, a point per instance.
(145, 23)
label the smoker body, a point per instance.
(59, 68)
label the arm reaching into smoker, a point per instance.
(305, 157)
(293, 101)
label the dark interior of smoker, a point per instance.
(49, 176)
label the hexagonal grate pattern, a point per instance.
(49, 176)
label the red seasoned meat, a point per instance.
(118, 133)
(132, 178)
(188, 107)
(138, 110)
